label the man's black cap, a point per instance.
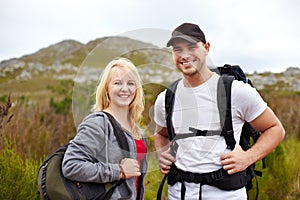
(187, 31)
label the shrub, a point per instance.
(17, 176)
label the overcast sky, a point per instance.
(260, 35)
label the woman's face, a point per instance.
(121, 87)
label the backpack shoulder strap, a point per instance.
(169, 104)
(224, 95)
(121, 138)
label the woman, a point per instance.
(120, 94)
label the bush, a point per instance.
(17, 176)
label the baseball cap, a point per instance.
(187, 31)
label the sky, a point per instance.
(259, 35)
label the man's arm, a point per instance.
(272, 134)
(161, 142)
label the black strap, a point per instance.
(122, 141)
(224, 94)
(200, 191)
(121, 138)
(257, 190)
(161, 187)
(198, 132)
(169, 104)
(109, 193)
(183, 190)
(219, 178)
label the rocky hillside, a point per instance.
(73, 60)
(288, 80)
(69, 58)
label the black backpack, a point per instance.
(52, 185)
(228, 74)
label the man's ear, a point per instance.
(207, 46)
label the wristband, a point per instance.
(123, 176)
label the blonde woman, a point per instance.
(119, 93)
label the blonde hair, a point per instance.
(136, 107)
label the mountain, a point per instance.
(72, 60)
(63, 60)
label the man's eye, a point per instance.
(193, 47)
(177, 50)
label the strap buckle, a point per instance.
(217, 175)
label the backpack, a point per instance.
(249, 135)
(53, 185)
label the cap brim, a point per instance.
(184, 37)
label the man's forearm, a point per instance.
(161, 143)
(272, 134)
(268, 141)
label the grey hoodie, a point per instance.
(95, 139)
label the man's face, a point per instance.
(189, 57)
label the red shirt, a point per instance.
(140, 154)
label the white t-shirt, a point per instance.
(197, 108)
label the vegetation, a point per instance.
(31, 128)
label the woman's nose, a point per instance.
(124, 87)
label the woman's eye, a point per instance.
(118, 83)
(131, 83)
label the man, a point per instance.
(195, 107)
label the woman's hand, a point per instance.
(129, 168)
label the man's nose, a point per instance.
(185, 53)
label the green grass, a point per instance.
(36, 130)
